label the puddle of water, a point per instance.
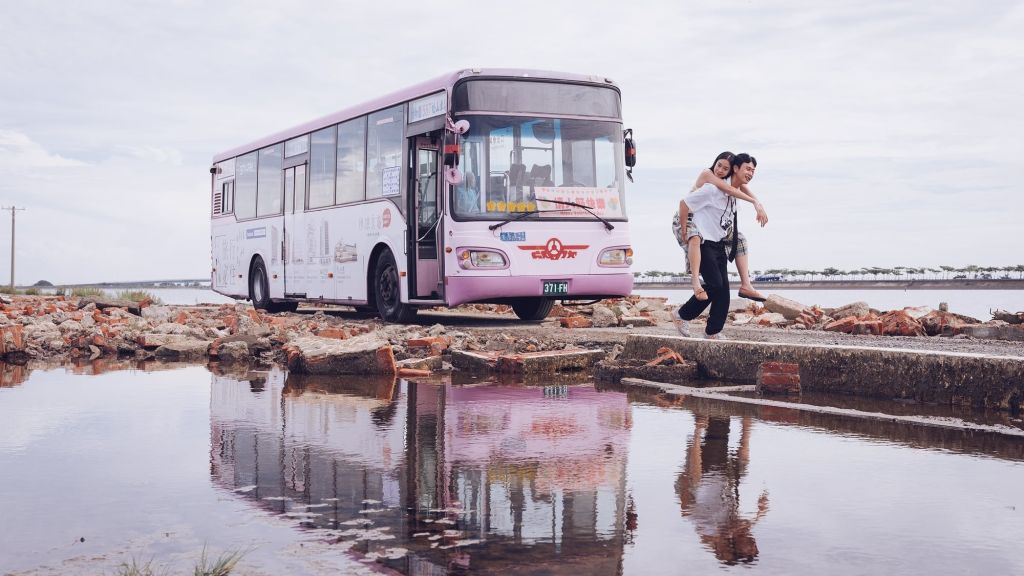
(327, 475)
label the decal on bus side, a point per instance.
(251, 233)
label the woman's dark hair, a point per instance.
(723, 156)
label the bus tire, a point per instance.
(387, 292)
(259, 286)
(532, 309)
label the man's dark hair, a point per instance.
(741, 159)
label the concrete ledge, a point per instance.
(526, 363)
(719, 395)
(977, 380)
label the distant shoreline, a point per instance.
(1012, 284)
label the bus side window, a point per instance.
(227, 197)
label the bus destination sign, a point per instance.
(428, 107)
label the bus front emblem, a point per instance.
(554, 250)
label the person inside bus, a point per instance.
(735, 242)
(467, 195)
(712, 216)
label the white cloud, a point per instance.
(882, 128)
(19, 153)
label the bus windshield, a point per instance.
(512, 164)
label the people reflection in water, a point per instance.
(708, 489)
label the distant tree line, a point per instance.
(876, 273)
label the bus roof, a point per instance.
(444, 82)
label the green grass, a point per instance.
(134, 569)
(138, 296)
(222, 566)
(88, 292)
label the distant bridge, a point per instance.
(677, 283)
(172, 283)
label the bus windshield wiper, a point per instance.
(520, 217)
(607, 224)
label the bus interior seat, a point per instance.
(496, 187)
(516, 173)
(540, 175)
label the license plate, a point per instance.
(556, 288)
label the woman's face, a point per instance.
(721, 167)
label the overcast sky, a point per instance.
(887, 132)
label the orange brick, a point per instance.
(575, 322)
(779, 368)
(842, 325)
(428, 342)
(410, 372)
(778, 379)
(332, 333)
(181, 318)
(386, 360)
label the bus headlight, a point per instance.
(616, 257)
(470, 258)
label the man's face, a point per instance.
(746, 172)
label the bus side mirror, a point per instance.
(630, 148)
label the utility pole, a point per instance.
(13, 210)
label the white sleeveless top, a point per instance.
(708, 206)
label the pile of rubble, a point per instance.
(59, 328)
(859, 318)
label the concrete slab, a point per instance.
(1009, 332)
(366, 354)
(527, 363)
(721, 395)
(978, 380)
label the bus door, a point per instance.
(295, 268)
(425, 209)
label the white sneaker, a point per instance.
(682, 326)
(715, 337)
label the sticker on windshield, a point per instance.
(602, 201)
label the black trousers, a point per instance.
(716, 282)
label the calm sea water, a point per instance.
(323, 475)
(974, 303)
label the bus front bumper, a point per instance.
(463, 289)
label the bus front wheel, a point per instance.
(532, 309)
(387, 293)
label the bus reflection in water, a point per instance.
(519, 474)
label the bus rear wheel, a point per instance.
(259, 286)
(532, 309)
(387, 292)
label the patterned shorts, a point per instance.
(691, 231)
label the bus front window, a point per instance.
(512, 164)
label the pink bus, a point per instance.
(499, 186)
